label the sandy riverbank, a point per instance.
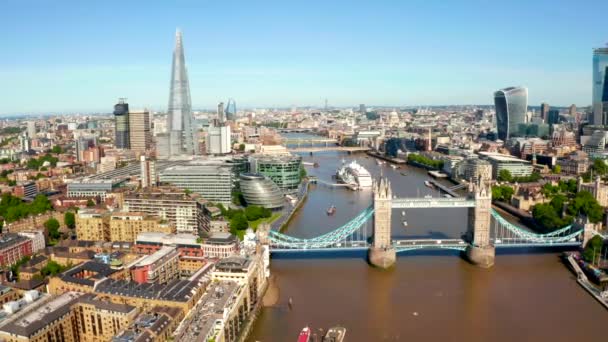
(272, 295)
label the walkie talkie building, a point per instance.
(511, 107)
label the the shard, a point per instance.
(182, 138)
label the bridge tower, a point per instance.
(480, 251)
(382, 253)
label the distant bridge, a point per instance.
(329, 148)
(308, 141)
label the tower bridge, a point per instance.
(486, 230)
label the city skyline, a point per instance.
(287, 54)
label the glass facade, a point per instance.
(260, 190)
(511, 107)
(180, 122)
(600, 64)
(121, 125)
(213, 183)
(231, 110)
(283, 170)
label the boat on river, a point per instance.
(304, 335)
(354, 173)
(335, 334)
(428, 184)
(331, 210)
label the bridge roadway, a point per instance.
(404, 245)
(434, 202)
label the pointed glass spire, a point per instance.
(179, 114)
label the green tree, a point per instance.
(56, 149)
(599, 167)
(53, 268)
(69, 219)
(557, 169)
(584, 203)
(504, 176)
(242, 147)
(238, 222)
(302, 172)
(593, 249)
(548, 218)
(558, 203)
(90, 203)
(52, 227)
(502, 193)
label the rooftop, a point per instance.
(40, 314)
(502, 157)
(165, 251)
(175, 291)
(233, 264)
(87, 273)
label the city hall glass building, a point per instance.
(260, 190)
(284, 170)
(511, 107)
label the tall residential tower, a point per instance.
(182, 138)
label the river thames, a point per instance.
(427, 296)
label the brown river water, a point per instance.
(529, 295)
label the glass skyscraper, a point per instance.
(121, 120)
(511, 107)
(231, 110)
(182, 138)
(600, 63)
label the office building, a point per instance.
(183, 211)
(517, 167)
(218, 140)
(552, 117)
(180, 123)
(140, 138)
(13, 247)
(31, 129)
(600, 64)
(212, 182)
(37, 237)
(572, 110)
(283, 170)
(511, 107)
(24, 142)
(121, 122)
(25, 190)
(92, 187)
(231, 110)
(220, 113)
(125, 226)
(92, 225)
(362, 109)
(577, 163)
(160, 267)
(260, 190)
(41, 317)
(101, 320)
(544, 111)
(148, 172)
(597, 142)
(163, 150)
(472, 168)
(156, 325)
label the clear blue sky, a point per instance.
(83, 55)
